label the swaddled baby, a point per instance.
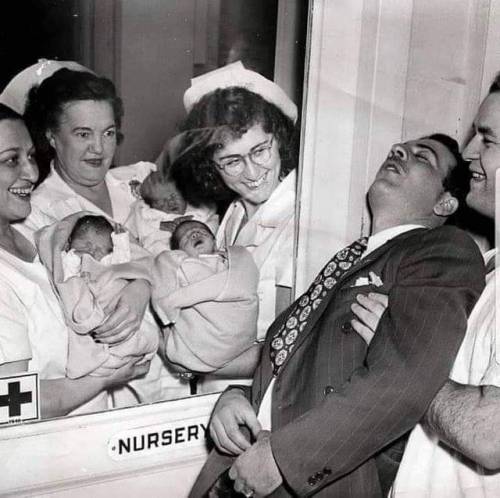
(94, 236)
(97, 262)
(153, 217)
(207, 299)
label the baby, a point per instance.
(93, 235)
(206, 299)
(97, 262)
(194, 238)
(153, 218)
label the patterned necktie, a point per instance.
(284, 340)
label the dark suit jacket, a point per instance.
(337, 403)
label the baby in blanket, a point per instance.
(96, 263)
(160, 208)
(207, 299)
(96, 237)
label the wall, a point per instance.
(156, 41)
(152, 49)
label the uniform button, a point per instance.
(328, 390)
(312, 481)
(327, 471)
(319, 476)
(346, 327)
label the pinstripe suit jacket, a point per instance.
(337, 403)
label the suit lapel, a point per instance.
(363, 263)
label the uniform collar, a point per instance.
(63, 195)
(57, 183)
(271, 212)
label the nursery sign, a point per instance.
(155, 439)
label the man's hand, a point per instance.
(368, 310)
(126, 314)
(231, 411)
(255, 471)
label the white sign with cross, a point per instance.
(19, 398)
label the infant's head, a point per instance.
(193, 237)
(161, 193)
(92, 235)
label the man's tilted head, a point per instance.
(420, 182)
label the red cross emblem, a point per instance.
(19, 398)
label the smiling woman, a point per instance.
(238, 145)
(75, 117)
(18, 173)
(33, 332)
(84, 153)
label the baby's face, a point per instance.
(165, 197)
(195, 239)
(93, 243)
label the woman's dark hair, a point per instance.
(46, 102)
(228, 112)
(8, 113)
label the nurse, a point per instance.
(75, 119)
(238, 137)
(33, 333)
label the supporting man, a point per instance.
(465, 414)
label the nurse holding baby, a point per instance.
(75, 119)
(237, 146)
(33, 332)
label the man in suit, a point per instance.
(332, 404)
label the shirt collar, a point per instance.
(61, 185)
(58, 183)
(489, 259)
(68, 198)
(271, 213)
(380, 238)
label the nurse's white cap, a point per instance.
(16, 91)
(236, 74)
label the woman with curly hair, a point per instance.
(237, 145)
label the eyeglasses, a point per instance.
(235, 164)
